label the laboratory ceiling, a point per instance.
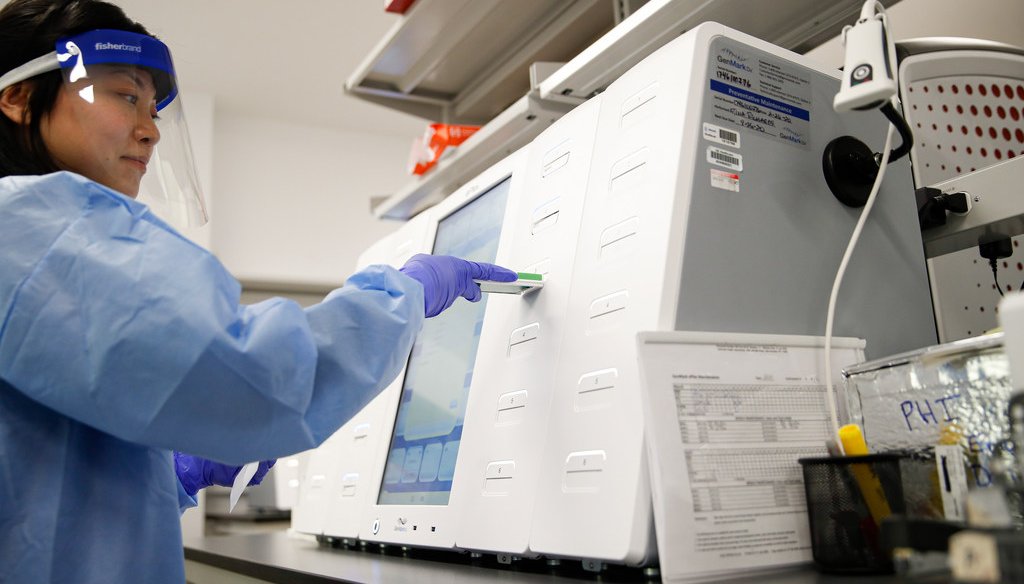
(283, 60)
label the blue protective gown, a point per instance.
(119, 341)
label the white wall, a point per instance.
(994, 20)
(291, 203)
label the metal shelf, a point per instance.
(798, 25)
(466, 61)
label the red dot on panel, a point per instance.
(935, 127)
(962, 129)
(919, 124)
(969, 89)
(939, 147)
(940, 89)
(998, 154)
(911, 89)
(1020, 92)
(1008, 90)
(1006, 265)
(945, 109)
(925, 88)
(930, 107)
(1014, 113)
(1011, 154)
(974, 110)
(943, 167)
(983, 308)
(992, 133)
(959, 109)
(982, 90)
(1020, 135)
(1020, 267)
(955, 88)
(914, 106)
(1006, 134)
(984, 152)
(953, 147)
(973, 169)
(995, 90)
(970, 150)
(988, 112)
(949, 128)
(979, 131)
(958, 171)
(1001, 112)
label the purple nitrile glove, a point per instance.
(196, 473)
(445, 278)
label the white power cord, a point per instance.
(829, 320)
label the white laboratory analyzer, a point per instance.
(690, 196)
(707, 210)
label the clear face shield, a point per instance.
(121, 122)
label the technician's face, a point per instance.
(104, 127)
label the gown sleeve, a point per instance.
(113, 319)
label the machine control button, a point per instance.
(524, 334)
(375, 528)
(500, 469)
(585, 461)
(545, 216)
(555, 160)
(620, 231)
(608, 304)
(361, 431)
(405, 248)
(349, 482)
(542, 267)
(629, 163)
(512, 400)
(629, 174)
(639, 98)
(604, 379)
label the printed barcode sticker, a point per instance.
(721, 135)
(730, 160)
(728, 181)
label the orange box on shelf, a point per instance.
(397, 6)
(426, 151)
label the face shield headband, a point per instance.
(170, 184)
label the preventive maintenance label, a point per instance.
(761, 93)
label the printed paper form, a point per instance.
(728, 417)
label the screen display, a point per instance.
(428, 427)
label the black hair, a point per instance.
(31, 29)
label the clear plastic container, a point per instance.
(951, 395)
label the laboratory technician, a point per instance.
(122, 342)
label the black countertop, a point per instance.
(277, 557)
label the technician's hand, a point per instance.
(445, 278)
(196, 473)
